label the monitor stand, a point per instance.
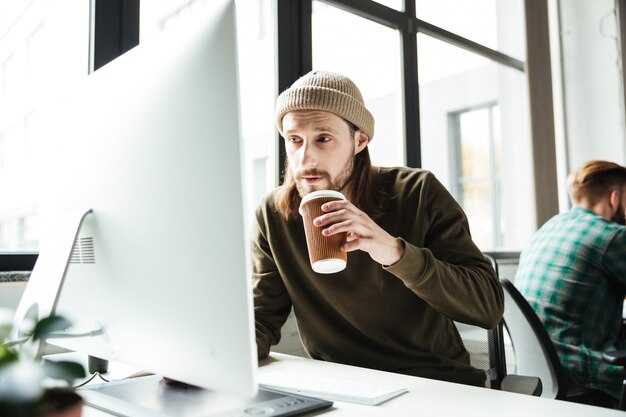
(152, 396)
(43, 289)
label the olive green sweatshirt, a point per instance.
(397, 318)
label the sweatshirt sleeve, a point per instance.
(271, 300)
(449, 272)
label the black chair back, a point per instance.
(486, 346)
(535, 354)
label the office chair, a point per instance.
(535, 353)
(486, 349)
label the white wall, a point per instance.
(592, 79)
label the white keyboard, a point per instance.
(331, 389)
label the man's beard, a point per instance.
(338, 183)
(620, 215)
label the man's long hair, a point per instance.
(367, 189)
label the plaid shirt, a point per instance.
(573, 274)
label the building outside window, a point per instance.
(44, 50)
(475, 144)
(482, 154)
(2, 151)
(27, 233)
(4, 235)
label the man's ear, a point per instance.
(361, 141)
(614, 199)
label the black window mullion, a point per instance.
(412, 135)
(294, 55)
(115, 29)
(371, 10)
(469, 45)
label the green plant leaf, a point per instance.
(49, 325)
(7, 355)
(6, 323)
(64, 370)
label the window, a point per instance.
(462, 139)
(29, 76)
(4, 235)
(475, 144)
(495, 24)
(10, 80)
(257, 70)
(9, 148)
(35, 56)
(32, 134)
(369, 53)
(259, 179)
(27, 233)
(2, 153)
(458, 55)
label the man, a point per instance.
(573, 274)
(412, 266)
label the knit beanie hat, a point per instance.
(326, 91)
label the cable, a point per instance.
(96, 374)
(68, 334)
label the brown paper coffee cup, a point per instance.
(324, 252)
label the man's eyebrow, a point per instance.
(325, 129)
(317, 129)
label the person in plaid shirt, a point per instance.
(573, 274)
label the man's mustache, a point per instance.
(312, 172)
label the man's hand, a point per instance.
(362, 232)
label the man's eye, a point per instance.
(294, 140)
(323, 139)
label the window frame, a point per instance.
(296, 31)
(294, 54)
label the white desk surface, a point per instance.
(425, 398)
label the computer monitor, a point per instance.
(150, 143)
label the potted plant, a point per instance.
(30, 386)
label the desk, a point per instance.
(426, 397)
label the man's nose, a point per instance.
(308, 155)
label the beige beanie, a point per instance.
(326, 91)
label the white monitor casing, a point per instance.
(151, 144)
